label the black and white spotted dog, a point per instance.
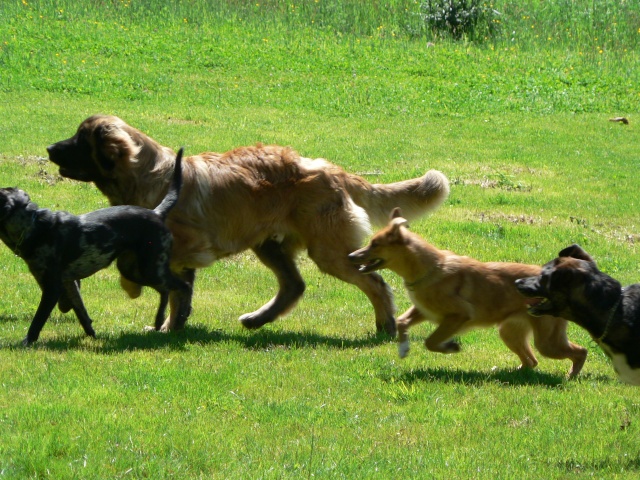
(572, 287)
(61, 248)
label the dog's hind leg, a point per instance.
(441, 339)
(162, 309)
(182, 291)
(550, 338)
(411, 317)
(179, 301)
(291, 285)
(334, 260)
(64, 302)
(72, 294)
(515, 332)
(51, 292)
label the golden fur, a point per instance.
(459, 293)
(264, 197)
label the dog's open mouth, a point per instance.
(73, 175)
(371, 265)
(538, 305)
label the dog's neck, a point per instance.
(419, 265)
(14, 238)
(612, 313)
(411, 285)
(155, 165)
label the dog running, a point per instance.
(459, 293)
(265, 197)
(571, 286)
(60, 249)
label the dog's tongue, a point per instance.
(533, 301)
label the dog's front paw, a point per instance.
(388, 327)
(403, 349)
(252, 321)
(450, 346)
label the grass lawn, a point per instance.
(520, 125)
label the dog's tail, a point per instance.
(171, 198)
(415, 197)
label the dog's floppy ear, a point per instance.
(575, 251)
(5, 203)
(113, 145)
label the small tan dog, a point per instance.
(459, 293)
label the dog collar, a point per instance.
(610, 319)
(410, 285)
(23, 234)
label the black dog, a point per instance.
(60, 249)
(572, 287)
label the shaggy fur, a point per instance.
(572, 287)
(459, 293)
(60, 249)
(266, 198)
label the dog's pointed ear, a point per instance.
(575, 251)
(397, 220)
(395, 233)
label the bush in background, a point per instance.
(470, 20)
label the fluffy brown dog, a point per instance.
(267, 198)
(460, 293)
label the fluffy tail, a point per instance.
(415, 197)
(171, 198)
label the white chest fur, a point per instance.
(625, 373)
(430, 316)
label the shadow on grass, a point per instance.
(630, 464)
(502, 377)
(194, 334)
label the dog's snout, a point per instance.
(355, 256)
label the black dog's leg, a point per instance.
(64, 303)
(279, 261)
(181, 295)
(162, 308)
(50, 295)
(72, 294)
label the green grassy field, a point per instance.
(519, 124)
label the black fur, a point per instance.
(61, 248)
(571, 286)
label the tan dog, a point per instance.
(267, 198)
(460, 293)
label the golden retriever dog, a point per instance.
(459, 293)
(265, 197)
